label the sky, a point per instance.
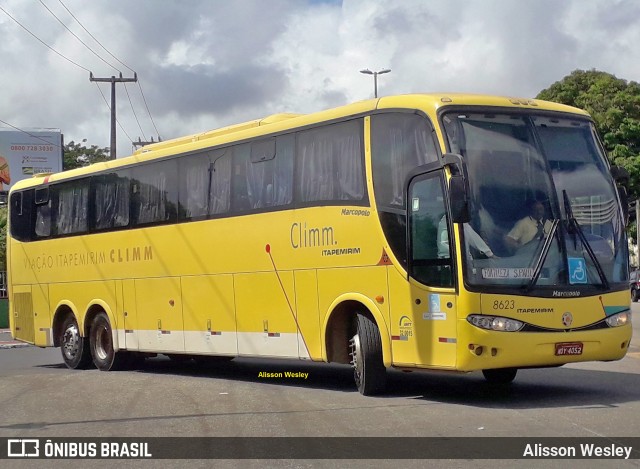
(203, 64)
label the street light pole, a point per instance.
(366, 71)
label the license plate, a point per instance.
(570, 348)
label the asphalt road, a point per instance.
(40, 397)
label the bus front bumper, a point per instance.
(479, 349)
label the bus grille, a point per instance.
(23, 317)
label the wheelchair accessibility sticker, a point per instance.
(577, 270)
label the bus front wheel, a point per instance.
(500, 375)
(366, 357)
(101, 344)
(74, 347)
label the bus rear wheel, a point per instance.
(366, 357)
(500, 375)
(101, 344)
(74, 347)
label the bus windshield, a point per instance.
(543, 206)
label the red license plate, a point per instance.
(569, 348)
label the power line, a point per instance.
(86, 69)
(122, 63)
(134, 112)
(94, 38)
(44, 43)
(147, 106)
(74, 35)
(69, 60)
(94, 53)
(30, 135)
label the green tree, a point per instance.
(77, 155)
(614, 104)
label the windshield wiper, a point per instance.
(574, 228)
(543, 255)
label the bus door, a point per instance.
(425, 329)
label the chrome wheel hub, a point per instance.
(71, 341)
(102, 343)
(356, 357)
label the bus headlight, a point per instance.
(495, 323)
(619, 319)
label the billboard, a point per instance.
(24, 153)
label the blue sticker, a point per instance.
(434, 303)
(577, 270)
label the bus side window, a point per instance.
(270, 174)
(330, 163)
(400, 142)
(42, 201)
(220, 185)
(21, 221)
(43, 220)
(155, 193)
(111, 194)
(241, 190)
(72, 207)
(193, 191)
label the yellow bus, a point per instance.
(444, 232)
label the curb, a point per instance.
(5, 344)
(12, 344)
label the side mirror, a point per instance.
(459, 199)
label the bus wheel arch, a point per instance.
(340, 326)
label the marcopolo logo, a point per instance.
(23, 448)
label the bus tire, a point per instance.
(74, 347)
(101, 345)
(500, 376)
(369, 372)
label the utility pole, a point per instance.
(113, 80)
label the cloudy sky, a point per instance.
(203, 64)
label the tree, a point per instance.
(614, 105)
(77, 155)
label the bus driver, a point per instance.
(530, 228)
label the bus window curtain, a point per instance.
(72, 209)
(220, 193)
(197, 187)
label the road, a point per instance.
(41, 397)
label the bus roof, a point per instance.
(429, 103)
